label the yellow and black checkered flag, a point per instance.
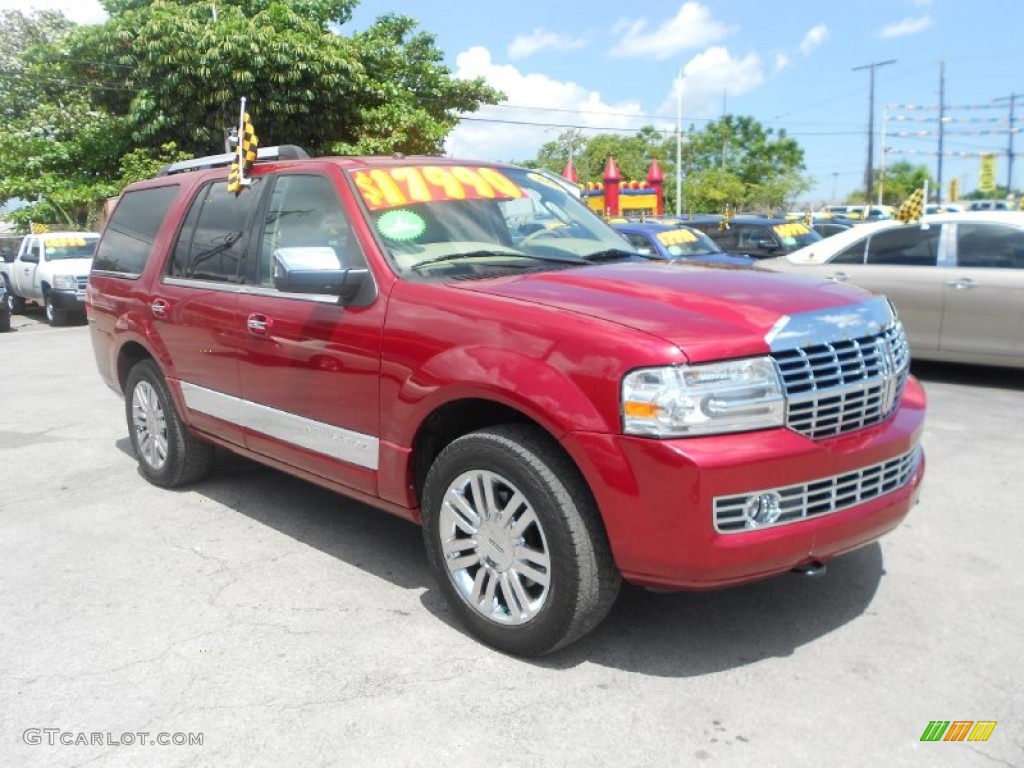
(912, 207)
(723, 223)
(36, 228)
(247, 146)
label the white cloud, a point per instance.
(709, 75)
(782, 61)
(537, 98)
(691, 27)
(908, 26)
(79, 11)
(527, 45)
(815, 36)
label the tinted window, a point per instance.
(128, 239)
(304, 211)
(905, 246)
(852, 254)
(212, 242)
(748, 238)
(990, 245)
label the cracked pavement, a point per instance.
(292, 627)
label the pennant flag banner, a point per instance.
(247, 145)
(912, 207)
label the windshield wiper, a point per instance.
(496, 255)
(612, 254)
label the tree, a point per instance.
(900, 180)
(733, 162)
(88, 108)
(175, 70)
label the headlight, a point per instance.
(686, 400)
(65, 282)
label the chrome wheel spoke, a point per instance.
(533, 565)
(150, 425)
(494, 548)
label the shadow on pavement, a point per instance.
(973, 375)
(662, 634)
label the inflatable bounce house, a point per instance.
(615, 197)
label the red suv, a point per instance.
(465, 345)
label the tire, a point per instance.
(16, 303)
(515, 541)
(54, 316)
(168, 455)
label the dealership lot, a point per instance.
(289, 626)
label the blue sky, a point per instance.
(610, 67)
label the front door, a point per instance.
(310, 368)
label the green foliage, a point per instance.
(900, 181)
(90, 108)
(734, 161)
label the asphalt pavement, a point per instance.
(257, 620)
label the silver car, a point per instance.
(957, 280)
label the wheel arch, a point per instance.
(456, 418)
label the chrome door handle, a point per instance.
(159, 308)
(838, 277)
(258, 324)
(961, 283)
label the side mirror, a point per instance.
(31, 257)
(317, 269)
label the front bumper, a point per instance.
(67, 300)
(657, 497)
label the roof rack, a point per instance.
(283, 152)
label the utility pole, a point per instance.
(679, 144)
(1012, 98)
(942, 127)
(869, 173)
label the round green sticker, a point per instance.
(401, 225)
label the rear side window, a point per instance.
(128, 239)
(213, 240)
(905, 246)
(994, 246)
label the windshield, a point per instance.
(684, 242)
(461, 221)
(60, 247)
(795, 235)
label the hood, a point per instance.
(710, 312)
(76, 267)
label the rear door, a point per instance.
(194, 307)
(310, 368)
(984, 292)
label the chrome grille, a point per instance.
(845, 385)
(792, 503)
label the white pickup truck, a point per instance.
(51, 269)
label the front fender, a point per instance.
(543, 393)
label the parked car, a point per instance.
(557, 414)
(957, 280)
(829, 227)
(673, 241)
(6, 308)
(759, 237)
(51, 269)
(988, 205)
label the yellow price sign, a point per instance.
(395, 187)
(792, 229)
(677, 237)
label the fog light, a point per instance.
(764, 509)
